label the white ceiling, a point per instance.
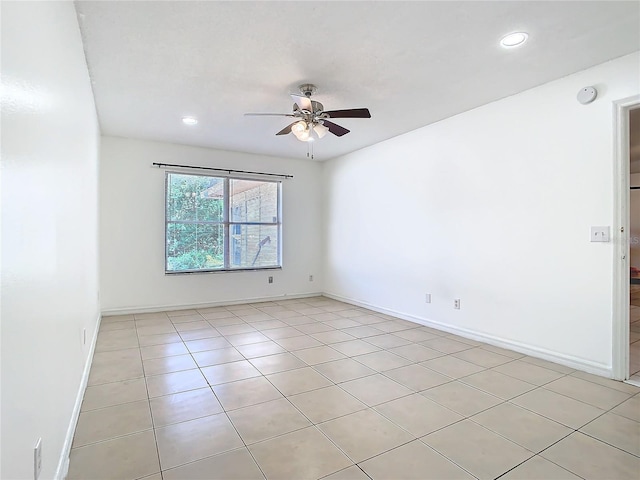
(410, 63)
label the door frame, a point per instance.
(621, 201)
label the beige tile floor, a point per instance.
(315, 388)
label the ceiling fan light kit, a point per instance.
(301, 130)
(320, 130)
(312, 121)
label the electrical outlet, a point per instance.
(37, 459)
(427, 298)
(270, 279)
(456, 304)
(311, 278)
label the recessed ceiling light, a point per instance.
(189, 120)
(514, 39)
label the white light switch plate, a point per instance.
(600, 234)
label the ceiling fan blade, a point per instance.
(269, 115)
(286, 129)
(350, 113)
(303, 102)
(337, 130)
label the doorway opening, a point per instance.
(634, 246)
(626, 282)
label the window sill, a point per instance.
(230, 270)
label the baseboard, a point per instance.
(533, 351)
(63, 463)
(188, 306)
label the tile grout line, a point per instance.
(155, 437)
(221, 406)
(543, 458)
(577, 430)
(412, 362)
(312, 425)
(445, 457)
(238, 433)
(605, 410)
(234, 426)
(563, 375)
(383, 373)
(315, 425)
(373, 408)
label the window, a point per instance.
(217, 224)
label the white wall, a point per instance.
(492, 206)
(132, 229)
(49, 229)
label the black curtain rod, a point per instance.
(229, 171)
(635, 188)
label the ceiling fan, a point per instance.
(312, 120)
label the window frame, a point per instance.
(226, 224)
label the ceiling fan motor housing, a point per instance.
(310, 116)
